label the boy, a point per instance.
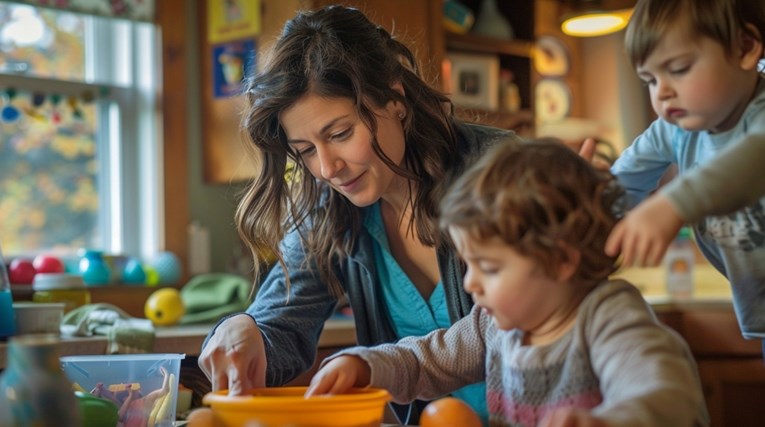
(700, 59)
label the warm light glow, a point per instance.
(595, 23)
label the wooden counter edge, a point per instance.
(188, 339)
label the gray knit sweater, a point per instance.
(617, 360)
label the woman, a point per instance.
(374, 148)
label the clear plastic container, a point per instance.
(7, 318)
(145, 386)
(60, 287)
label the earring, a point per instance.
(401, 115)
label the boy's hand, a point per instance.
(644, 234)
(340, 375)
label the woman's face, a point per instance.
(336, 146)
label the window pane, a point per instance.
(42, 42)
(48, 173)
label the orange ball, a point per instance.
(201, 417)
(449, 412)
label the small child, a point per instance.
(700, 59)
(554, 339)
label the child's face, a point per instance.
(693, 84)
(509, 286)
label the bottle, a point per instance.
(93, 268)
(7, 316)
(60, 287)
(35, 390)
(509, 95)
(492, 23)
(199, 249)
(678, 262)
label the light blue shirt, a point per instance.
(735, 243)
(410, 313)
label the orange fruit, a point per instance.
(449, 412)
(201, 417)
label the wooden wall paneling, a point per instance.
(173, 101)
(418, 24)
(225, 159)
(547, 15)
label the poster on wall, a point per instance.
(232, 20)
(231, 61)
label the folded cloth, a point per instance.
(208, 297)
(124, 334)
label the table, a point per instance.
(187, 339)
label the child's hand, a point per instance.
(571, 417)
(340, 375)
(644, 234)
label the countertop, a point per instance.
(711, 290)
(188, 339)
(710, 287)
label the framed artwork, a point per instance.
(472, 80)
(232, 61)
(551, 57)
(552, 100)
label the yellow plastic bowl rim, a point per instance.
(275, 398)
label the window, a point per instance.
(79, 138)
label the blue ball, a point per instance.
(133, 272)
(168, 266)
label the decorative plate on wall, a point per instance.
(551, 57)
(552, 100)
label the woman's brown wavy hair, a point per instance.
(542, 199)
(337, 52)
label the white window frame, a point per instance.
(129, 135)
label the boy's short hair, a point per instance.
(720, 20)
(541, 198)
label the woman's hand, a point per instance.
(644, 234)
(340, 375)
(235, 356)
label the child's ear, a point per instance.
(569, 266)
(751, 47)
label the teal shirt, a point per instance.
(409, 312)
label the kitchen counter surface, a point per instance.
(712, 291)
(710, 287)
(338, 332)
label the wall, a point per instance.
(612, 93)
(212, 206)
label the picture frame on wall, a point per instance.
(472, 80)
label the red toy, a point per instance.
(48, 264)
(21, 271)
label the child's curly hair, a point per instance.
(542, 199)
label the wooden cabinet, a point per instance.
(731, 368)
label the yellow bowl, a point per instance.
(286, 406)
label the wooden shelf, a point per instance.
(482, 44)
(520, 121)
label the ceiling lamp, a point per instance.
(589, 19)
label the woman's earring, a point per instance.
(401, 115)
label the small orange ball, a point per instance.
(201, 417)
(449, 412)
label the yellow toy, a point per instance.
(164, 307)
